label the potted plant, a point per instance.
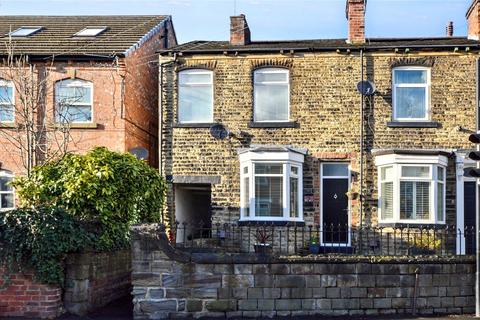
(314, 245)
(261, 246)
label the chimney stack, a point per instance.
(355, 12)
(449, 29)
(239, 31)
(473, 20)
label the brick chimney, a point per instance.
(355, 12)
(239, 31)
(449, 29)
(473, 20)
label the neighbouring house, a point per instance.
(276, 132)
(94, 78)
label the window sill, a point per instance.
(194, 125)
(428, 225)
(77, 125)
(289, 124)
(7, 125)
(277, 223)
(413, 124)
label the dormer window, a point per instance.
(90, 31)
(25, 31)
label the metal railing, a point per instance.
(295, 239)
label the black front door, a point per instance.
(335, 210)
(469, 209)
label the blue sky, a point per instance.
(269, 19)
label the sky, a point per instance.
(269, 19)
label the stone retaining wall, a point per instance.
(170, 283)
(92, 281)
(95, 279)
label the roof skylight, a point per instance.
(90, 31)
(24, 31)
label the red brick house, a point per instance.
(110, 59)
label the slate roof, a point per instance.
(57, 35)
(322, 45)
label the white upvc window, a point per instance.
(7, 193)
(7, 101)
(411, 192)
(271, 187)
(411, 93)
(195, 96)
(74, 101)
(271, 88)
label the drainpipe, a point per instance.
(361, 142)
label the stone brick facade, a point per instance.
(325, 106)
(168, 283)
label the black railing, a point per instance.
(294, 239)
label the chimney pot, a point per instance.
(473, 20)
(355, 12)
(449, 29)
(239, 31)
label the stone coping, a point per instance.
(154, 236)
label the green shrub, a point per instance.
(39, 239)
(114, 189)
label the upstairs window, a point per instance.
(73, 100)
(195, 96)
(7, 197)
(7, 105)
(411, 94)
(25, 31)
(271, 95)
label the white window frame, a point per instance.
(349, 231)
(287, 160)
(270, 83)
(426, 86)
(8, 83)
(4, 173)
(194, 84)
(75, 83)
(397, 162)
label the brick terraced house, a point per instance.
(276, 132)
(110, 60)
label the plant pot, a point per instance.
(262, 248)
(314, 248)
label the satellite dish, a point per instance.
(139, 152)
(366, 88)
(219, 131)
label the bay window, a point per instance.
(7, 105)
(271, 186)
(411, 192)
(411, 93)
(195, 96)
(271, 95)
